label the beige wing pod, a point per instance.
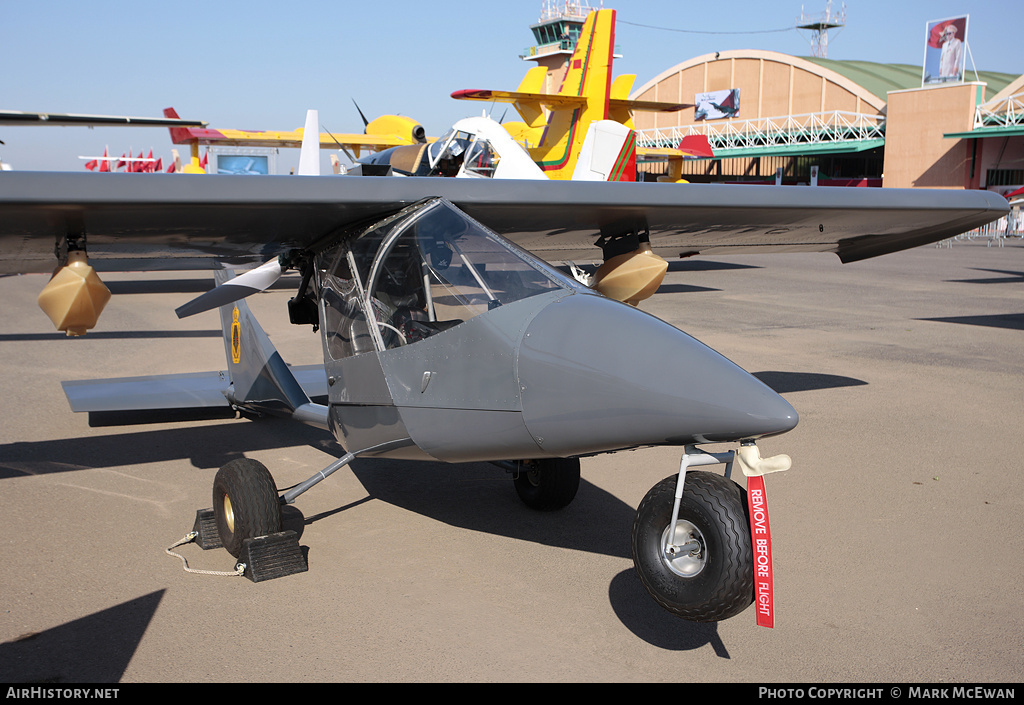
(75, 296)
(631, 277)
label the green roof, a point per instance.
(880, 79)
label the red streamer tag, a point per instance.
(761, 539)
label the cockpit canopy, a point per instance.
(422, 271)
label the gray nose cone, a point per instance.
(598, 375)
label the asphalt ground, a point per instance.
(898, 549)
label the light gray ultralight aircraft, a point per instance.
(448, 335)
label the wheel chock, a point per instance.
(205, 527)
(273, 556)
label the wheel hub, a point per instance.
(688, 556)
(229, 514)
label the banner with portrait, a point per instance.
(945, 52)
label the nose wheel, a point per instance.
(704, 570)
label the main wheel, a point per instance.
(245, 503)
(548, 484)
(713, 582)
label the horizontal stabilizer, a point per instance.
(648, 106)
(193, 390)
(550, 100)
(178, 391)
(557, 100)
(696, 146)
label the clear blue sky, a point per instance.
(260, 64)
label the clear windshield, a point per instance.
(481, 159)
(443, 268)
(447, 153)
(417, 273)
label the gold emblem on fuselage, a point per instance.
(236, 337)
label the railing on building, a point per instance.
(1006, 112)
(554, 9)
(564, 46)
(823, 128)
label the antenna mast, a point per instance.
(819, 25)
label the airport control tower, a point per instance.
(556, 34)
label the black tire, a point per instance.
(245, 503)
(549, 484)
(718, 582)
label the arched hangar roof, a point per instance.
(868, 80)
(710, 64)
(882, 78)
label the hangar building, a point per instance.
(854, 123)
(860, 123)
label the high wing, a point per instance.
(18, 117)
(381, 133)
(182, 221)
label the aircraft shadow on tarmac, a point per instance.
(1011, 321)
(642, 616)
(1009, 276)
(159, 286)
(683, 289)
(477, 497)
(686, 265)
(93, 649)
(206, 446)
(111, 335)
(789, 382)
(480, 497)
(702, 265)
(182, 286)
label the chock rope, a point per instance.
(188, 538)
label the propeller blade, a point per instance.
(365, 121)
(251, 282)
